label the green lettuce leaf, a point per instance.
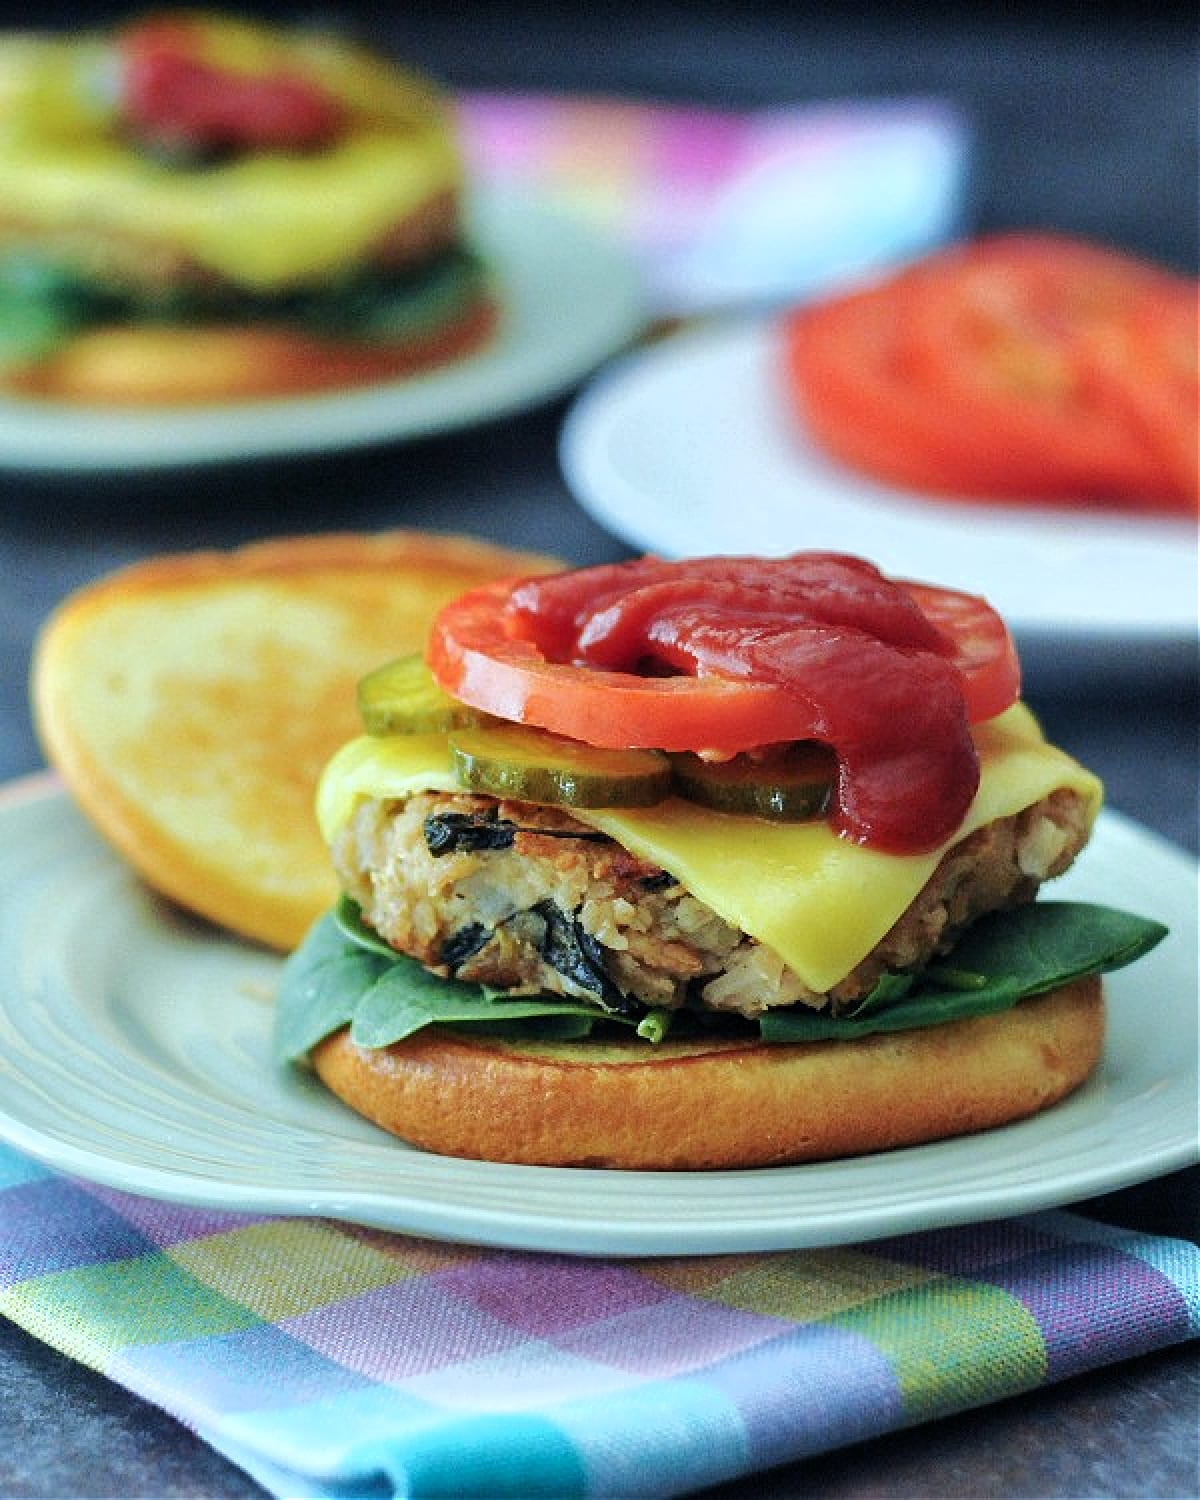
(344, 975)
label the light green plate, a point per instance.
(134, 1051)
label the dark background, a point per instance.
(1083, 120)
(1085, 115)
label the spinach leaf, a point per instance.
(43, 304)
(383, 307)
(37, 311)
(348, 918)
(1003, 958)
(320, 987)
(407, 998)
(343, 974)
(1048, 943)
(926, 1008)
(575, 954)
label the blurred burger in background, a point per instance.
(195, 208)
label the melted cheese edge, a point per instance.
(817, 900)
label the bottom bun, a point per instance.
(719, 1103)
(182, 365)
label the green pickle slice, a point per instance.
(403, 698)
(791, 785)
(531, 765)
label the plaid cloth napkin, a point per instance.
(726, 209)
(332, 1360)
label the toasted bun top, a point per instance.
(720, 1103)
(189, 703)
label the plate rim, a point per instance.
(563, 1230)
(50, 438)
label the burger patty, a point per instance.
(526, 899)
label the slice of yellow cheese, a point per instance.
(266, 222)
(821, 902)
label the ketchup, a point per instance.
(877, 677)
(173, 95)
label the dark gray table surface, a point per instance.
(1083, 122)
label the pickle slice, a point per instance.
(403, 698)
(532, 765)
(790, 786)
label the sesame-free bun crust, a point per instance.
(720, 1104)
(190, 702)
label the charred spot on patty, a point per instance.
(464, 944)
(457, 833)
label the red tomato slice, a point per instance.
(853, 387)
(172, 92)
(994, 334)
(1011, 369)
(480, 656)
(474, 658)
(984, 651)
(1146, 369)
(890, 687)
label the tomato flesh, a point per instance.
(173, 94)
(1018, 368)
(1158, 339)
(855, 394)
(994, 334)
(725, 655)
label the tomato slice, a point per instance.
(994, 335)
(476, 659)
(176, 93)
(984, 651)
(1146, 368)
(726, 655)
(853, 387)
(1019, 368)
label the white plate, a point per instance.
(569, 299)
(134, 1051)
(688, 447)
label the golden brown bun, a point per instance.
(190, 702)
(165, 365)
(720, 1103)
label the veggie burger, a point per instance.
(713, 863)
(195, 207)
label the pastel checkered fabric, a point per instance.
(327, 1359)
(734, 209)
